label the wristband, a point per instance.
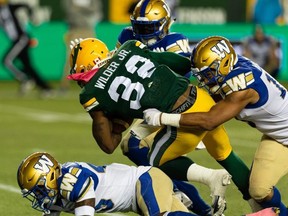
(170, 119)
(84, 210)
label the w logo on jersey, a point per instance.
(221, 49)
(239, 82)
(44, 164)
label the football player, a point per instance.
(249, 94)
(135, 79)
(85, 189)
(150, 23)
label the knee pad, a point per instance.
(135, 150)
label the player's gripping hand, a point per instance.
(152, 117)
(155, 117)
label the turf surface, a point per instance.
(61, 127)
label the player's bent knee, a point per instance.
(258, 193)
(134, 149)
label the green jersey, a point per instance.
(135, 79)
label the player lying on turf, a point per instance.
(84, 189)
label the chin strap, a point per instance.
(83, 77)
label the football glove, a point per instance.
(155, 117)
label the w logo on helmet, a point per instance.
(221, 49)
(44, 164)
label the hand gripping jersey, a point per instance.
(173, 42)
(270, 114)
(135, 79)
(114, 186)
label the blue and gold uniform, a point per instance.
(85, 189)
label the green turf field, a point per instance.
(61, 127)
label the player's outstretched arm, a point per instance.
(221, 112)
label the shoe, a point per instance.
(219, 181)
(266, 212)
(255, 206)
(26, 86)
(47, 94)
(218, 186)
(218, 206)
(184, 199)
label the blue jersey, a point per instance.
(173, 42)
(270, 114)
(114, 186)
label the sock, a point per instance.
(199, 206)
(275, 202)
(199, 173)
(177, 168)
(239, 171)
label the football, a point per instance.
(119, 125)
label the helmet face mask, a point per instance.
(41, 197)
(37, 177)
(151, 21)
(211, 60)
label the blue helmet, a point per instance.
(151, 21)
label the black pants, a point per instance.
(20, 51)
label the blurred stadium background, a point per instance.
(60, 126)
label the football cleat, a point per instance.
(218, 206)
(218, 185)
(184, 198)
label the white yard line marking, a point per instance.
(45, 115)
(9, 188)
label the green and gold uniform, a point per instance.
(130, 83)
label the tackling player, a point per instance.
(135, 79)
(249, 94)
(85, 189)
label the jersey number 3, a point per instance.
(145, 70)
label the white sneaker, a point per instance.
(26, 86)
